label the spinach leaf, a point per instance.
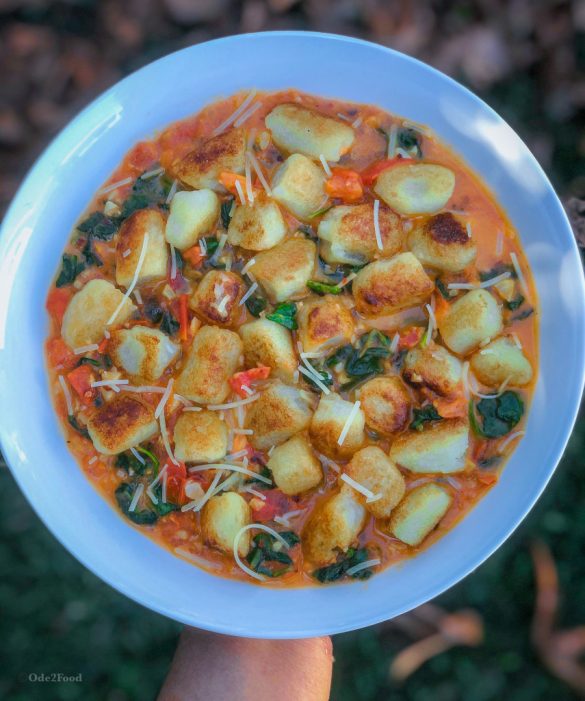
(162, 508)
(104, 361)
(264, 472)
(263, 552)
(145, 193)
(124, 494)
(340, 356)
(424, 415)
(77, 426)
(523, 314)
(169, 324)
(513, 304)
(323, 288)
(150, 456)
(291, 538)
(325, 377)
(211, 244)
(499, 415)
(98, 226)
(153, 311)
(337, 570)
(226, 208)
(70, 269)
(409, 139)
(285, 314)
(497, 270)
(255, 305)
(443, 289)
(128, 461)
(307, 231)
(89, 255)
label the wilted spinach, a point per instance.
(409, 139)
(70, 269)
(285, 314)
(225, 213)
(498, 269)
(255, 305)
(145, 193)
(499, 415)
(259, 484)
(98, 226)
(263, 556)
(142, 517)
(169, 324)
(424, 415)
(74, 423)
(322, 288)
(338, 569)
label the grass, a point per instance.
(58, 617)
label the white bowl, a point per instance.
(57, 191)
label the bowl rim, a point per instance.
(83, 557)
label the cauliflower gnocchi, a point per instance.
(293, 328)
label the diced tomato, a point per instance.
(245, 379)
(143, 155)
(193, 255)
(345, 184)
(183, 317)
(59, 353)
(57, 302)
(487, 477)
(176, 479)
(410, 337)
(80, 379)
(103, 346)
(228, 180)
(240, 443)
(276, 504)
(441, 306)
(371, 173)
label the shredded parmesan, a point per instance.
(126, 253)
(94, 459)
(315, 379)
(164, 399)
(202, 562)
(250, 291)
(67, 395)
(137, 455)
(243, 431)
(465, 378)
(138, 296)
(249, 189)
(516, 340)
(509, 439)
(152, 173)
(468, 229)
(495, 280)
(103, 383)
(164, 488)
(363, 566)
(240, 192)
(240, 533)
(198, 504)
(357, 123)
(220, 245)
(453, 481)
(232, 118)
(461, 286)
(370, 496)
(344, 117)
(85, 349)
(192, 408)
(222, 306)
(253, 491)
(325, 165)
(249, 391)
(377, 225)
(173, 262)
(232, 468)
(145, 388)
(239, 454)
(247, 115)
(154, 483)
(165, 436)
(520, 274)
(392, 141)
(259, 173)
(172, 192)
(115, 186)
(271, 450)
(352, 414)
(106, 334)
(499, 243)
(134, 279)
(233, 405)
(394, 343)
(203, 246)
(432, 323)
(180, 398)
(248, 265)
(136, 496)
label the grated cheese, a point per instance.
(173, 262)
(91, 462)
(363, 566)
(344, 117)
(195, 559)
(247, 390)
(220, 245)
(248, 265)
(509, 439)
(357, 123)
(377, 225)
(165, 437)
(495, 280)
(221, 307)
(468, 229)
(172, 191)
(103, 383)
(240, 192)
(180, 398)
(239, 454)
(232, 468)
(134, 279)
(138, 296)
(392, 141)
(164, 399)
(254, 492)
(67, 395)
(235, 114)
(247, 115)
(154, 483)
(432, 323)
(243, 431)
(516, 340)
(315, 379)
(203, 246)
(358, 487)
(348, 422)
(250, 291)
(520, 274)
(296, 376)
(198, 504)
(192, 408)
(164, 488)
(145, 388)
(461, 286)
(85, 349)
(499, 243)
(249, 190)
(233, 405)
(115, 186)
(152, 173)
(137, 455)
(394, 343)
(240, 533)
(325, 165)
(259, 173)
(453, 481)
(126, 253)
(136, 496)
(106, 334)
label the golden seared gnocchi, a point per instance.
(299, 185)
(386, 404)
(387, 286)
(193, 214)
(442, 447)
(372, 469)
(298, 129)
(284, 270)
(279, 413)
(471, 320)
(217, 297)
(257, 226)
(294, 466)
(442, 242)
(202, 167)
(200, 437)
(337, 427)
(325, 322)
(142, 352)
(89, 311)
(434, 367)
(308, 330)
(211, 360)
(269, 344)
(501, 361)
(334, 527)
(347, 234)
(130, 244)
(222, 518)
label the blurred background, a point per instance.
(515, 629)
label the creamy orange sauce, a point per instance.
(182, 530)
